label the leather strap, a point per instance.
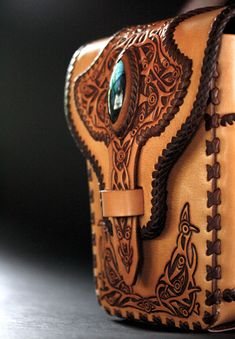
(130, 202)
(122, 203)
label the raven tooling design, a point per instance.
(136, 105)
(176, 290)
(157, 87)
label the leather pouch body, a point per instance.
(151, 109)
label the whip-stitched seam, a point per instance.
(229, 295)
(213, 298)
(215, 120)
(213, 221)
(213, 246)
(227, 119)
(213, 272)
(183, 136)
(213, 171)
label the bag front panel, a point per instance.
(165, 265)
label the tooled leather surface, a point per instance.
(213, 296)
(176, 290)
(169, 263)
(173, 298)
(159, 80)
(225, 132)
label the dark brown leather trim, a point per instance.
(184, 325)
(170, 155)
(214, 198)
(213, 171)
(229, 295)
(78, 140)
(210, 318)
(216, 120)
(197, 326)
(213, 298)
(213, 223)
(227, 119)
(213, 272)
(212, 146)
(181, 143)
(130, 315)
(213, 247)
(212, 121)
(183, 137)
(170, 323)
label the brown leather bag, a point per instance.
(151, 109)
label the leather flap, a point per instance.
(134, 102)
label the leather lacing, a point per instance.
(213, 271)
(213, 222)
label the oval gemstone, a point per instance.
(116, 92)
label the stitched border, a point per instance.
(213, 297)
(78, 140)
(229, 295)
(183, 137)
(179, 142)
(227, 119)
(216, 120)
(137, 316)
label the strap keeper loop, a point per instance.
(124, 203)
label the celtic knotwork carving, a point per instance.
(176, 290)
(158, 76)
(157, 86)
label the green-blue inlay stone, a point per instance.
(116, 92)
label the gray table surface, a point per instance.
(41, 300)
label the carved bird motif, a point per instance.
(176, 288)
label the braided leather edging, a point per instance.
(78, 140)
(137, 316)
(183, 137)
(174, 149)
(216, 120)
(227, 119)
(229, 295)
(178, 143)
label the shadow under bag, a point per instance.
(152, 109)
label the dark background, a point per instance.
(42, 175)
(44, 210)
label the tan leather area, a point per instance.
(187, 200)
(187, 182)
(82, 60)
(87, 55)
(154, 146)
(226, 182)
(122, 203)
(226, 158)
(153, 149)
(226, 80)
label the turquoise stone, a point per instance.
(116, 92)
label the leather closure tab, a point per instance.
(126, 203)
